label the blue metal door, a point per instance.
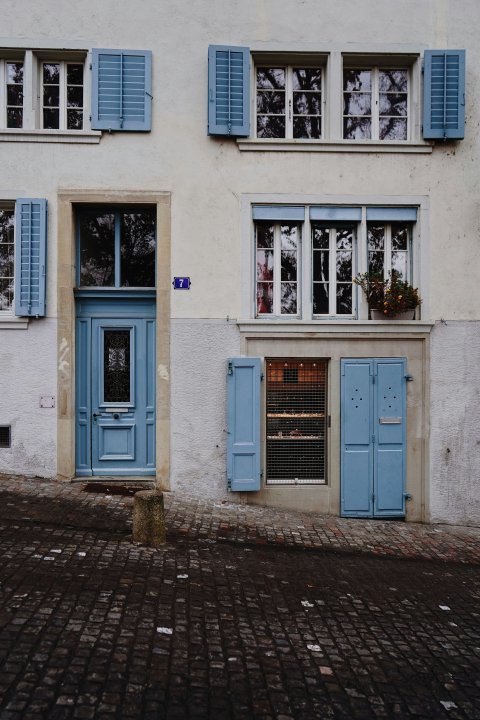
(115, 396)
(373, 437)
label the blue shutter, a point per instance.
(390, 214)
(122, 90)
(356, 436)
(243, 421)
(278, 212)
(444, 94)
(228, 91)
(390, 448)
(30, 256)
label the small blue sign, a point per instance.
(181, 283)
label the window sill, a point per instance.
(336, 327)
(281, 145)
(51, 136)
(11, 322)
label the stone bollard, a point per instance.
(148, 518)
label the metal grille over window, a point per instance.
(117, 366)
(296, 421)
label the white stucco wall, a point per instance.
(208, 177)
(455, 423)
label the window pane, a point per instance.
(321, 265)
(344, 299)
(270, 126)
(357, 80)
(399, 236)
(344, 265)
(6, 258)
(393, 129)
(376, 262)
(97, 248)
(307, 79)
(75, 74)
(307, 127)
(6, 261)
(74, 97)
(357, 104)
(264, 298)
(6, 293)
(399, 263)
(271, 102)
(376, 237)
(289, 265)
(15, 73)
(74, 119)
(51, 119)
(264, 264)
(51, 74)
(392, 104)
(14, 118)
(137, 248)
(321, 238)
(264, 235)
(51, 96)
(307, 103)
(15, 95)
(271, 78)
(344, 239)
(320, 299)
(393, 80)
(289, 237)
(357, 129)
(288, 298)
(116, 366)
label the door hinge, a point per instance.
(261, 377)
(373, 439)
(230, 368)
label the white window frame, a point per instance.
(4, 61)
(387, 251)
(10, 206)
(63, 90)
(375, 93)
(332, 250)
(289, 67)
(277, 269)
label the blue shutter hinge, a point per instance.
(229, 484)
(149, 94)
(91, 66)
(261, 377)
(230, 368)
(408, 496)
(408, 378)
(261, 474)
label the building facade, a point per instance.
(187, 192)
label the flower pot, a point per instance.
(406, 315)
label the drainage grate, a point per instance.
(296, 421)
(5, 436)
(112, 489)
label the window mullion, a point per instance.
(375, 105)
(117, 249)
(63, 97)
(332, 289)
(305, 277)
(277, 267)
(289, 102)
(3, 94)
(388, 250)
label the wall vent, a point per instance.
(5, 436)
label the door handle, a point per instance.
(95, 415)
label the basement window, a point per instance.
(296, 422)
(5, 436)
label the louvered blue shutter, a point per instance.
(121, 90)
(30, 256)
(243, 421)
(228, 90)
(444, 94)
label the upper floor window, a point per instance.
(289, 102)
(7, 224)
(389, 249)
(62, 95)
(332, 269)
(12, 111)
(116, 246)
(375, 104)
(277, 264)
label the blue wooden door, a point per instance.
(373, 437)
(115, 396)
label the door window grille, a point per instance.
(296, 422)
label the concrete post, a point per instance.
(149, 518)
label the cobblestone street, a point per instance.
(245, 613)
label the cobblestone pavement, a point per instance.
(228, 621)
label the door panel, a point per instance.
(373, 430)
(115, 396)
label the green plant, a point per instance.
(391, 296)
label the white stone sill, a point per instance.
(349, 327)
(325, 146)
(51, 136)
(11, 322)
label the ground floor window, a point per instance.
(296, 421)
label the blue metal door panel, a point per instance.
(390, 446)
(83, 430)
(243, 420)
(356, 437)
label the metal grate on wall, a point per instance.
(5, 436)
(296, 423)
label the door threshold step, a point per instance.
(124, 479)
(128, 489)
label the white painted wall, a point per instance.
(208, 177)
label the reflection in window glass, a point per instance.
(6, 258)
(137, 249)
(389, 249)
(97, 248)
(375, 104)
(277, 253)
(14, 87)
(62, 106)
(332, 266)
